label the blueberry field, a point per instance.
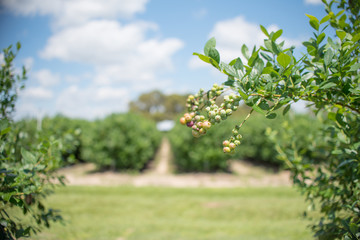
(242, 122)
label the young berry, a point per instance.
(226, 149)
(195, 133)
(190, 124)
(217, 118)
(202, 131)
(187, 117)
(206, 125)
(183, 121)
(222, 112)
(232, 146)
(237, 142)
(226, 143)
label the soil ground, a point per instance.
(160, 173)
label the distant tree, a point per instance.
(158, 106)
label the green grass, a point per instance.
(150, 213)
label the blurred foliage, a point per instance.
(120, 142)
(206, 155)
(158, 106)
(26, 171)
(10, 82)
(327, 77)
(65, 131)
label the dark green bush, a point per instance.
(26, 171)
(205, 154)
(66, 131)
(121, 142)
(199, 154)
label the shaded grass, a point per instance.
(146, 213)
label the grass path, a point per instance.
(162, 213)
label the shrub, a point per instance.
(206, 154)
(26, 174)
(66, 132)
(199, 154)
(327, 76)
(121, 142)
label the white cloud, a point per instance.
(75, 12)
(28, 63)
(313, 2)
(88, 32)
(118, 52)
(36, 93)
(2, 60)
(231, 34)
(92, 102)
(46, 78)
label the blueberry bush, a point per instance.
(26, 174)
(193, 154)
(270, 78)
(120, 142)
(66, 132)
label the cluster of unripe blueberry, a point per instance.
(197, 122)
(234, 141)
(215, 114)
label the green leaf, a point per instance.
(355, 67)
(242, 94)
(263, 29)
(325, 19)
(356, 38)
(271, 116)
(286, 109)
(268, 45)
(327, 85)
(275, 47)
(277, 35)
(311, 50)
(207, 60)
(214, 54)
(211, 43)
(320, 38)
(264, 105)
(229, 70)
(258, 109)
(238, 64)
(353, 228)
(245, 51)
(283, 59)
(314, 22)
(341, 34)
(27, 156)
(267, 57)
(202, 57)
(328, 56)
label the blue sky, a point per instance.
(89, 58)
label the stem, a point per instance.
(247, 117)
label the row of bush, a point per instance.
(129, 141)
(119, 141)
(205, 154)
